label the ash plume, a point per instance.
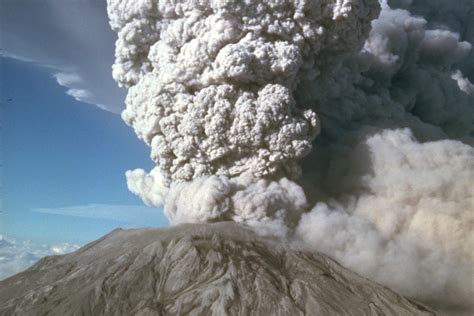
(344, 125)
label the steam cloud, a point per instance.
(230, 96)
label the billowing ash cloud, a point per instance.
(231, 96)
(404, 218)
(446, 15)
(211, 90)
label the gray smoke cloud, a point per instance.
(211, 85)
(344, 124)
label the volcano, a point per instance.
(195, 269)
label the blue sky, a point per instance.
(64, 148)
(59, 153)
(72, 39)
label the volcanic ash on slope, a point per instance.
(199, 269)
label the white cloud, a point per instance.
(16, 256)
(70, 38)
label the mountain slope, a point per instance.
(210, 269)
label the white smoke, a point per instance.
(226, 95)
(150, 187)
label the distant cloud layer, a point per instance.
(72, 39)
(16, 256)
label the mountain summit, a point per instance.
(195, 269)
